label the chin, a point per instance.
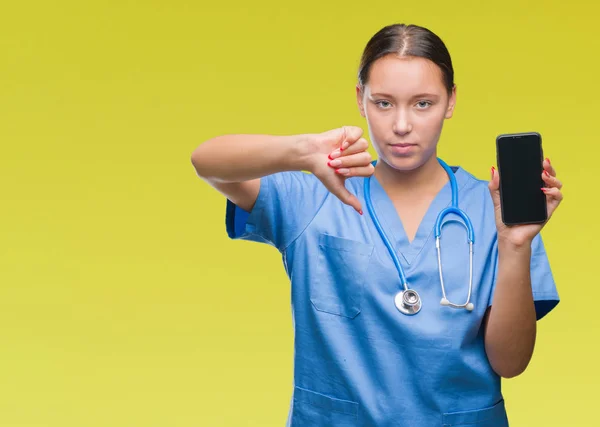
(405, 163)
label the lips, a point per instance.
(402, 145)
(402, 149)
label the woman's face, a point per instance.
(405, 103)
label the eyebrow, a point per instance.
(420, 95)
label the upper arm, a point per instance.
(242, 194)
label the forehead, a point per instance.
(405, 76)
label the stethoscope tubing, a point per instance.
(454, 209)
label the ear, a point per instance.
(359, 100)
(451, 103)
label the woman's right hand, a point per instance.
(339, 154)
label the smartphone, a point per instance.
(519, 157)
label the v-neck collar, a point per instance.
(392, 224)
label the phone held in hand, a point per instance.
(520, 164)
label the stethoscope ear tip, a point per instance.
(470, 306)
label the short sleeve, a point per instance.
(286, 204)
(545, 294)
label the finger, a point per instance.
(351, 134)
(356, 171)
(359, 145)
(553, 193)
(494, 186)
(548, 167)
(494, 183)
(551, 181)
(360, 159)
(356, 147)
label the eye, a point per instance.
(424, 104)
(379, 103)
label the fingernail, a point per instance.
(548, 160)
(342, 171)
(335, 162)
(544, 189)
(334, 154)
(492, 171)
(360, 212)
(546, 173)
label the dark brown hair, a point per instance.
(407, 40)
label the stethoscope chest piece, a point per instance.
(408, 301)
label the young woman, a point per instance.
(373, 345)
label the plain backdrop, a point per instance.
(122, 301)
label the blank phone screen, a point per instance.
(520, 167)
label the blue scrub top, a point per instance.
(358, 361)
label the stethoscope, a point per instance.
(408, 300)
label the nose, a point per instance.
(402, 124)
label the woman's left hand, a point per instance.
(523, 234)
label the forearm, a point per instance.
(242, 157)
(511, 325)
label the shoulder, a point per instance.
(299, 189)
(474, 193)
(469, 178)
(470, 184)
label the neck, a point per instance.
(426, 180)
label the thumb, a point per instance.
(494, 186)
(338, 189)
